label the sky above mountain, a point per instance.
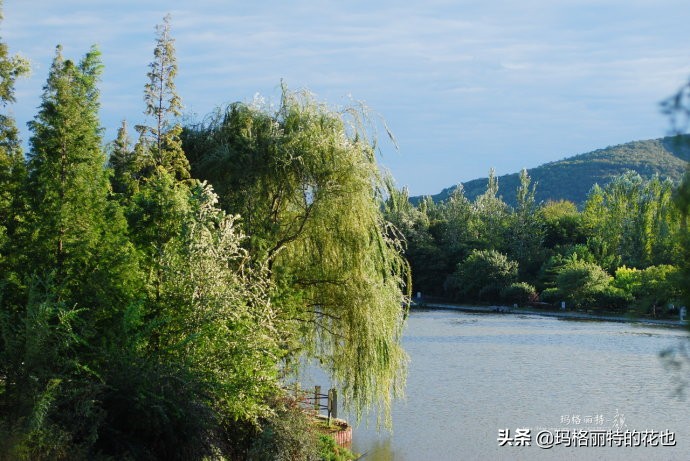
(463, 85)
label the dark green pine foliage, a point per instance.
(78, 279)
(122, 160)
(78, 234)
(12, 166)
(12, 209)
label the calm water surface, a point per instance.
(473, 374)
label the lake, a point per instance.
(585, 382)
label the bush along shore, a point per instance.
(549, 310)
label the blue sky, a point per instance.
(464, 85)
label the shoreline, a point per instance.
(558, 314)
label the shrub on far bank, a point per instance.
(611, 298)
(551, 295)
(519, 293)
(482, 276)
(580, 282)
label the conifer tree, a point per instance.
(160, 203)
(12, 165)
(163, 104)
(78, 277)
(12, 208)
(122, 161)
(78, 234)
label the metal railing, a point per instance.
(315, 401)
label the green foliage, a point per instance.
(214, 313)
(155, 409)
(285, 436)
(123, 161)
(329, 450)
(160, 145)
(659, 285)
(492, 215)
(11, 68)
(305, 181)
(520, 293)
(165, 346)
(628, 279)
(427, 261)
(562, 223)
(611, 298)
(633, 222)
(525, 231)
(651, 288)
(482, 276)
(580, 281)
(551, 295)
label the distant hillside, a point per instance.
(572, 178)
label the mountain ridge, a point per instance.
(573, 177)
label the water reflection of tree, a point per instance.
(677, 359)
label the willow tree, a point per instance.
(306, 183)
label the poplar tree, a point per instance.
(491, 214)
(526, 232)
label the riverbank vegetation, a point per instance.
(622, 251)
(157, 295)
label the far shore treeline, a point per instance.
(159, 294)
(623, 251)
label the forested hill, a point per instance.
(573, 177)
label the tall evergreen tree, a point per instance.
(80, 274)
(12, 211)
(12, 165)
(122, 160)
(161, 201)
(78, 234)
(68, 182)
(162, 139)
